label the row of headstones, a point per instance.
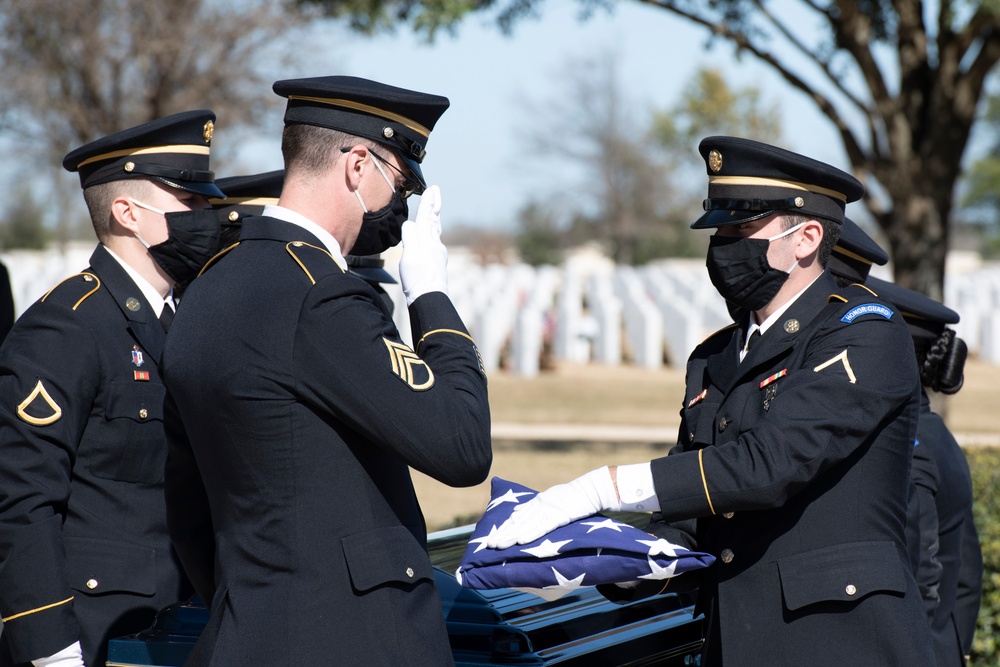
(519, 315)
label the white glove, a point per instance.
(557, 507)
(423, 266)
(71, 656)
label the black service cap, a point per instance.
(748, 180)
(925, 316)
(395, 117)
(247, 195)
(173, 150)
(854, 254)
(369, 267)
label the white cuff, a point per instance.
(635, 488)
(71, 656)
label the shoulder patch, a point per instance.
(313, 260)
(85, 284)
(408, 367)
(46, 410)
(866, 309)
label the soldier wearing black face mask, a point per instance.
(305, 409)
(797, 423)
(84, 550)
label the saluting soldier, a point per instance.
(793, 457)
(290, 500)
(84, 550)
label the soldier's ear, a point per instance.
(123, 213)
(810, 239)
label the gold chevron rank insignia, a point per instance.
(842, 358)
(47, 410)
(410, 368)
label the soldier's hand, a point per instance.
(423, 266)
(556, 507)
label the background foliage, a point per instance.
(985, 466)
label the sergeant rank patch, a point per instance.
(408, 367)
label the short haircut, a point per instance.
(309, 149)
(831, 233)
(100, 197)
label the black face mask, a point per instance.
(741, 273)
(193, 240)
(382, 229)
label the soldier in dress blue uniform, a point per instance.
(289, 496)
(84, 550)
(248, 195)
(792, 462)
(944, 545)
(948, 543)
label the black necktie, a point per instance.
(166, 316)
(754, 339)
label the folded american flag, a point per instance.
(587, 552)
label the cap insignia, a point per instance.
(715, 160)
(208, 131)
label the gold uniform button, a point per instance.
(92, 584)
(729, 515)
(143, 413)
(409, 572)
(850, 590)
(727, 556)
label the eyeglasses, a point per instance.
(410, 185)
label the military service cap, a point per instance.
(173, 150)
(925, 317)
(854, 254)
(748, 180)
(395, 117)
(247, 195)
(370, 268)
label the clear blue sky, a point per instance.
(477, 152)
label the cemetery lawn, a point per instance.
(623, 405)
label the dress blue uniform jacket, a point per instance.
(796, 465)
(84, 549)
(949, 544)
(290, 498)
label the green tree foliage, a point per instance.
(709, 106)
(900, 81)
(984, 464)
(539, 239)
(982, 196)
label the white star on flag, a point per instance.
(563, 582)
(509, 497)
(657, 572)
(660, 547)
(607, 523)
(481, 541)
(546, 549)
